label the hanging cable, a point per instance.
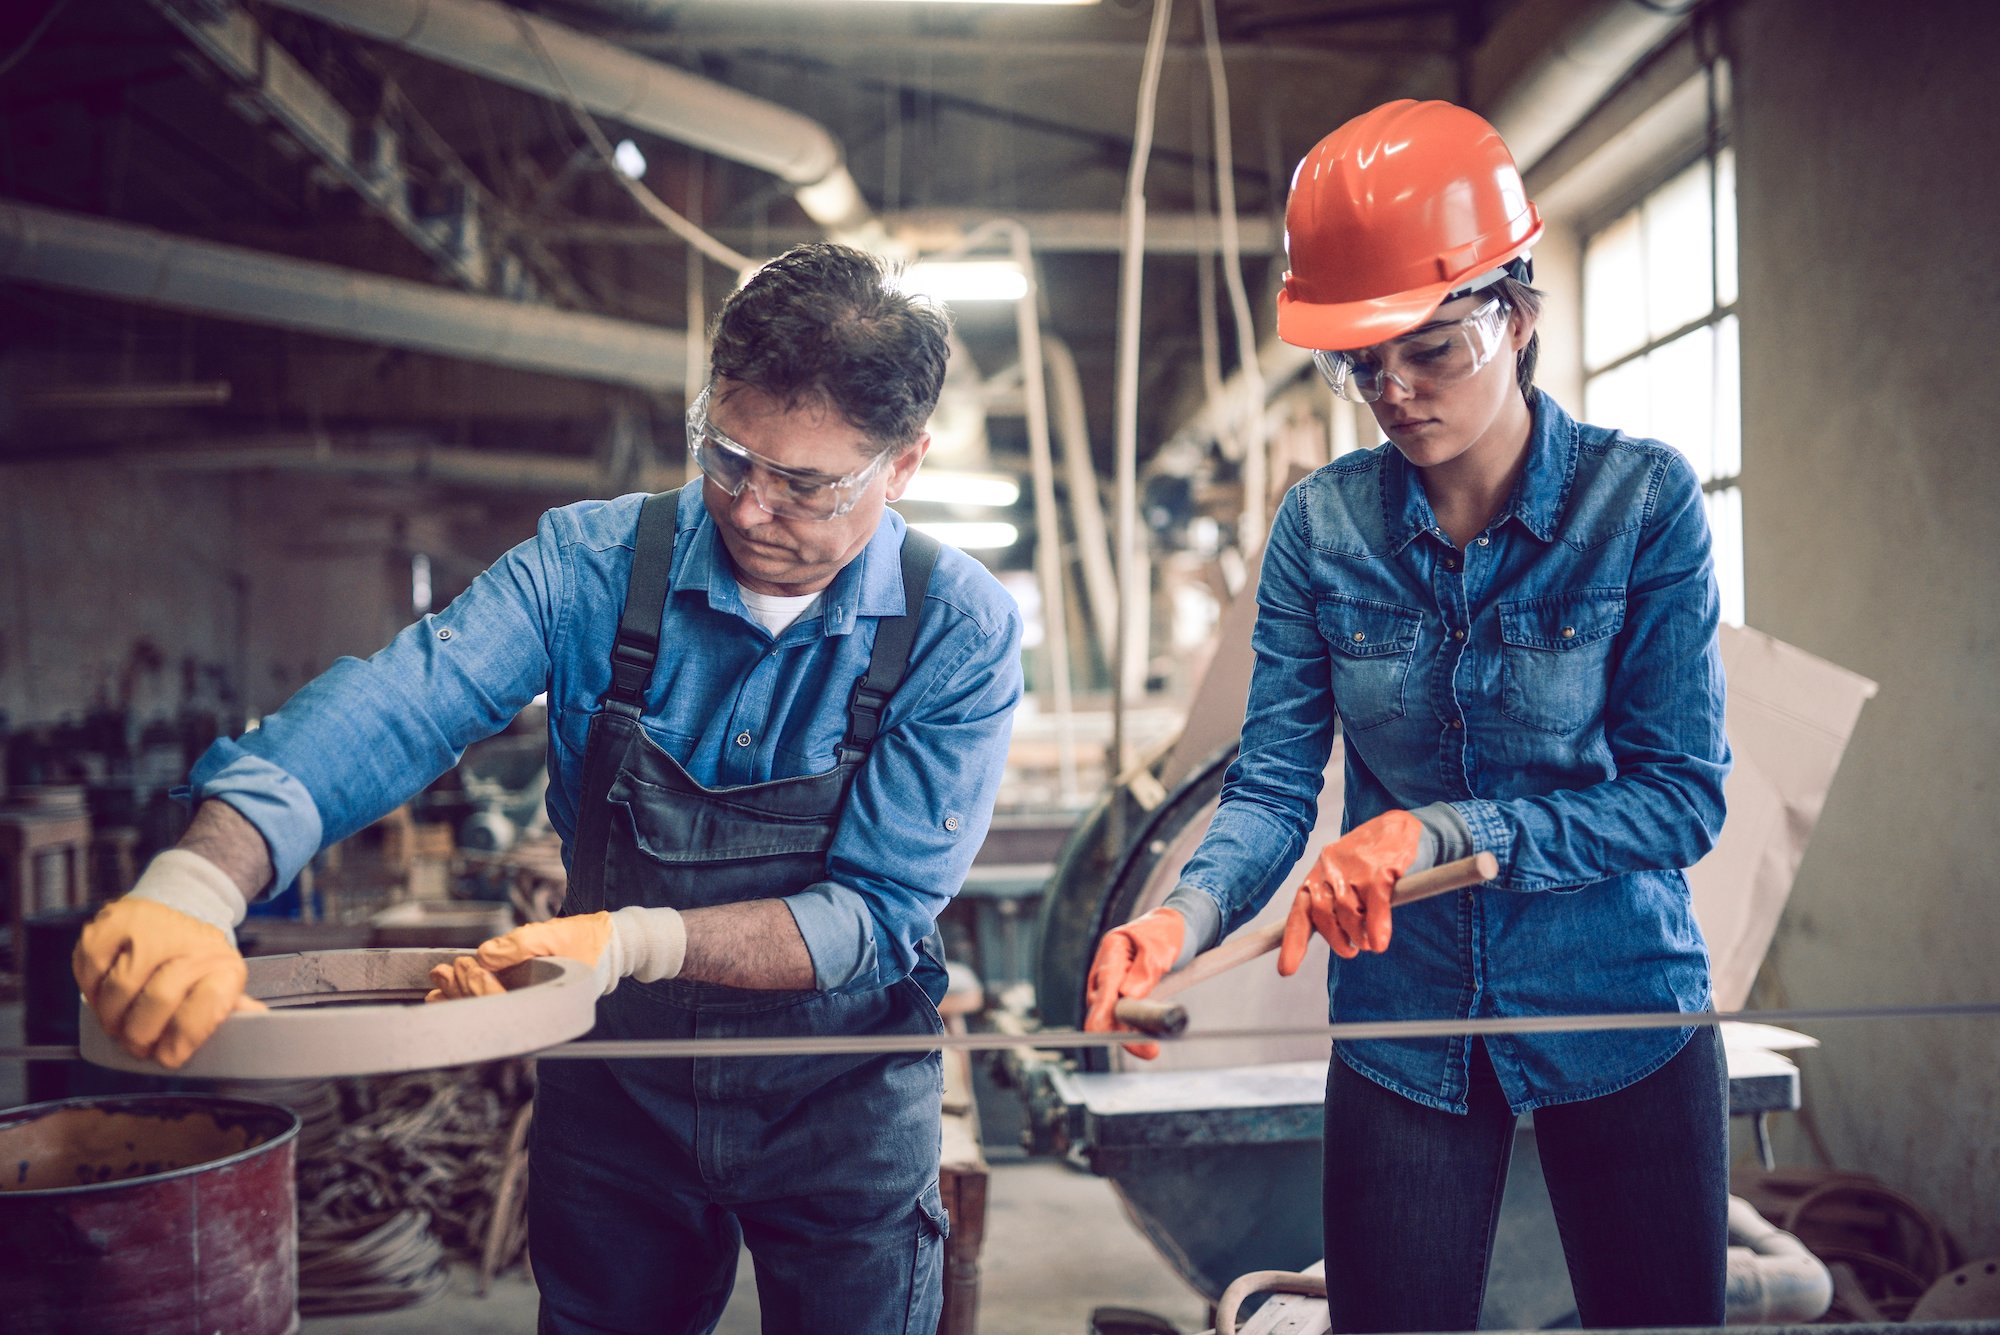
(1132, 610)
(655, 207)
(1248, 417)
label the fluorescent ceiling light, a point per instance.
(971, 537)
(993, 491)
(966, 280)
(1013, 2)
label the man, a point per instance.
(776, 732)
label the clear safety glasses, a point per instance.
(1434, 357)
(789, 493)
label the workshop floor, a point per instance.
(1058, 1246)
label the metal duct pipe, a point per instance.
(1573, 74)
(487, 469)
(487, 39)
(1772, 1277)
(80, 253)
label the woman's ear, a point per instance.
(1520, 327)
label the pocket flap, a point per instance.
(931, 1206)
(1563, 621)
(1363, 629)
(714, 830)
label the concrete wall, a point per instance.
(110, 580)
(1871, 478)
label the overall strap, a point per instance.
(893, 638)
(637, 645)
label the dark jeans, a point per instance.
(1639, 1179)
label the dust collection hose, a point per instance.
(1262, 1281)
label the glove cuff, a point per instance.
(646, 944)
(1202, 916)
(1446, 836)
(191, 884)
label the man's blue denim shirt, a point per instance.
(1558, 682)
(732, 705)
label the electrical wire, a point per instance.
(20, 53)
(1131, 270)
(656, 208)
(1250, 409)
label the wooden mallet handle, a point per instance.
(1154, 1015)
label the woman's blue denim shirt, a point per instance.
(1558, 683)
(732, 705)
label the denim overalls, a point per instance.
(646, 1175)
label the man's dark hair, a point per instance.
(1518, 296)
(827, 322)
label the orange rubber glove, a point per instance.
(160, 981)
(1130, 962)
(1347, 893)
(583, 937)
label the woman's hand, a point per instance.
(1346, 895)
(1130, 962)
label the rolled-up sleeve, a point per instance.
(1663, 723)
(919, 808)
(366, 735)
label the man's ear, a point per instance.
(904, 466)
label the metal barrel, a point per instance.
(144, 1213)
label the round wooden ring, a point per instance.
(361, 1012)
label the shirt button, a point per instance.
(1482, 542)
(743, 739)
(1458, 635)
(1569, 632)
(1457, 724)
(1359, 636)
(444, 635)
(951, 822)
(1450, 563)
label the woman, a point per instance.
(1513, 617)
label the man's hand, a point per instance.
(1347, 894)
(585, 937)
(160, 981)
(1131, 960)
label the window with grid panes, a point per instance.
(1660, 341)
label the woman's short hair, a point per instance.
(1520, 297)
(828, 322)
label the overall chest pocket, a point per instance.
(1555, 657)
(1371, 646)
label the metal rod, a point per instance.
(626, 1049)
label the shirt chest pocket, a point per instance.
(1555, 657)
(1371, 648)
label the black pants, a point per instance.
(1639, 1179)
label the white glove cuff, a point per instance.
(646, 944)
(195, 886)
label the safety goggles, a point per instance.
(789, 493)
(1432, 358)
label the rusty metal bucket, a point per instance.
(142, 1213)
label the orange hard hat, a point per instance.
(1390, 215)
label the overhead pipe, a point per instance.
(1572, 74)
(485, 38)
(80, 253)
(300, 452)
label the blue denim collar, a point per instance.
(1539, 496)
(871, 585)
